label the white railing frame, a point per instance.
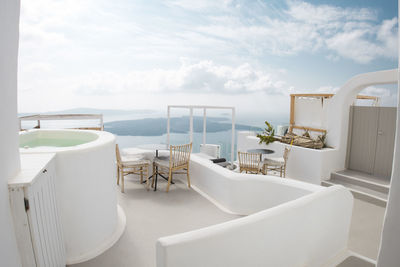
(40, 117)
(204, 108)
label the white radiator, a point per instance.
(35, 212)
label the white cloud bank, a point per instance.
(349, 33)
(72, 51)
(201, 77)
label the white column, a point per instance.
(389, 255)
(191, 125)
(168, 124)
(9, 139)
(204, 125)
(233, 136)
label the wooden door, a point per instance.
(385, 142)
(364, 127)
(371, 140)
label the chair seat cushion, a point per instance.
(132, 160)
(274, 161)
(162, 161)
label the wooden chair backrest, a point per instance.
(179, 155)
(286, 153)
(249, 161)
(118, 154)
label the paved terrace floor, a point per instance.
(151, 215)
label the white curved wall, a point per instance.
(337, 116)
(86, 191)
(9, 157)
(290, 223)
(304, 164)
(389, 255)
(244, 194)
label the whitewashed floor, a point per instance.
(151, 215)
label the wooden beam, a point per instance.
(312, 95)
(292, 102)
(367, 97)
(309, 129)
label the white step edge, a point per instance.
(362, 180)
(361, 195)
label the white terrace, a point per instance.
(73, 212)
(60, 204)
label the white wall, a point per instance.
(9, 156)
(389, 255)
(242, 193)
(309, 231)
(304, 164)
(338, 108)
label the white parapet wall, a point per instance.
(304, 164)
(289, 223)
(9, 156)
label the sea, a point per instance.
(222, 138)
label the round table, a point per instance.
(261, 151)
(155, 147)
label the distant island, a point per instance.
(158, 126)
(152, 126)
(105, 112)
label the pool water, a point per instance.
(38, 142)
(55, 138)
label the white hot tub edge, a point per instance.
(92, 220)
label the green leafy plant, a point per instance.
(268, 135)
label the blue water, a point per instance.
(222, 138)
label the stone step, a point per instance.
(361, 179)
(360, 192)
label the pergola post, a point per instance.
(168, 125)
(233, 137)
(191, 125)
(204, 125)
(204, 108)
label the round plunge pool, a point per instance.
(86, 189)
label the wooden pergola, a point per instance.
(323, 96)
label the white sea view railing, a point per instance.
(58, 117)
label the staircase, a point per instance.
(363, 186)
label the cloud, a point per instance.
(76, 51)
(349, 33)
(194, 78)
(317, 14)
(378, 91)
(355, 43)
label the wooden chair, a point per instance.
(131, 165)
(277, 164)
(179, 158)
(249, 162)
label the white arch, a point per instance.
(337, 115)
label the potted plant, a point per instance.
(268, 135)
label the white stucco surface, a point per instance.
(9, 157)
(389, 255)
(304, 164)
(287, 222)
(86, 191)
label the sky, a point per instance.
(146, 54)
